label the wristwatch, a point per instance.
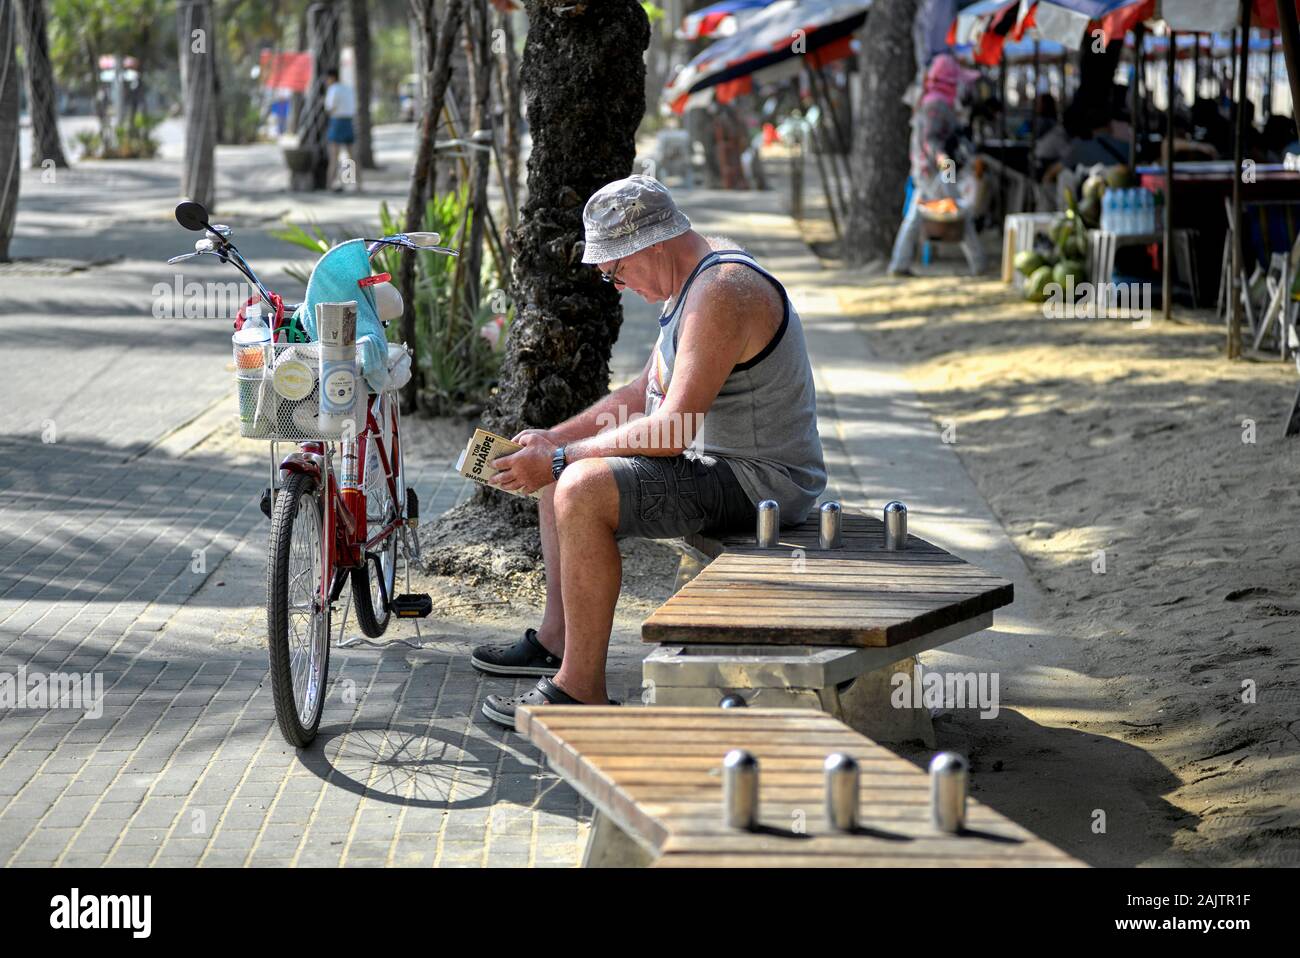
(558, 462)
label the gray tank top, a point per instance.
(764, 420)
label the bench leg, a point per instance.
(687, 569)
(866, 707)
(608, 846)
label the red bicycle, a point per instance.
(339, 505)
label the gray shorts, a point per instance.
(668, 497)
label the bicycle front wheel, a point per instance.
(298, 617)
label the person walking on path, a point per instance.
(723, 416)
(341, 107)
(934, 172)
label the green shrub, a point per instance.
(132, 140)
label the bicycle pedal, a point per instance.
(265, 504)
(412, 605)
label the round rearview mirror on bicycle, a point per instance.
(191, 215)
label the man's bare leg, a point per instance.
(591, 573)
(551, 632)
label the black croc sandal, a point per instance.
(524, 657)
(501, 708)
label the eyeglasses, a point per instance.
(611, 276)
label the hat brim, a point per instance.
(601, 251)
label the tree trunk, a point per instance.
(194, 29)
(508, 84)
(91, 50)
(41, 103)
(323, 41)
(886, 65)
(361, 51)
(451, 166)
(583, 79)
(478, 52)
(435, 69)
(296, 100)
(9, 176)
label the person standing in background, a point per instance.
(340, 107)
(933, 170)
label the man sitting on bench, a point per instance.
(723, 416)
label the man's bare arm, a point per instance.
(713, 338)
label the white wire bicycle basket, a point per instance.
(279, 395)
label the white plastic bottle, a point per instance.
(336, 324)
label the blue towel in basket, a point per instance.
(334, 280)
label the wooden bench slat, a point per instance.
(673, 802)
(864, 844)
(861, 595)
(764, 860)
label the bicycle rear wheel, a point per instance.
(298, 618)
(373, 583)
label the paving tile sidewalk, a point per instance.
(185, 765)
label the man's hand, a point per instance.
(529, 469)
(518, 438)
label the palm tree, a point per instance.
(361, 51)
(41, 105)
(198, 85)
(583, 77)
(8, 125)
(887, 64)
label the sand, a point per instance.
(1142, 451)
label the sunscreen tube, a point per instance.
(337, 325)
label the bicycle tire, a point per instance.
(296, 506)
(372, 623)
(372, 620)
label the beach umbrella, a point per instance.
(776, 43)
(984, 27)
(719, 19)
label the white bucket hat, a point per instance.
(626, 216)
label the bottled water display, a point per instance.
(1128, 212)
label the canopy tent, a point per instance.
(776, 43)
(1066, 21)
(719, 19)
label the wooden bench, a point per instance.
(653, 776)
(800, 626)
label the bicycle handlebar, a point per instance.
(220, 246)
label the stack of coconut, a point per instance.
(1063, 254)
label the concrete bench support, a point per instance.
(851, 684)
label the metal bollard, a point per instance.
(740, 789)
(769, 524)
(829, 536)
(895, 526)
(842, 791)
(732, 701)
(949, 774)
